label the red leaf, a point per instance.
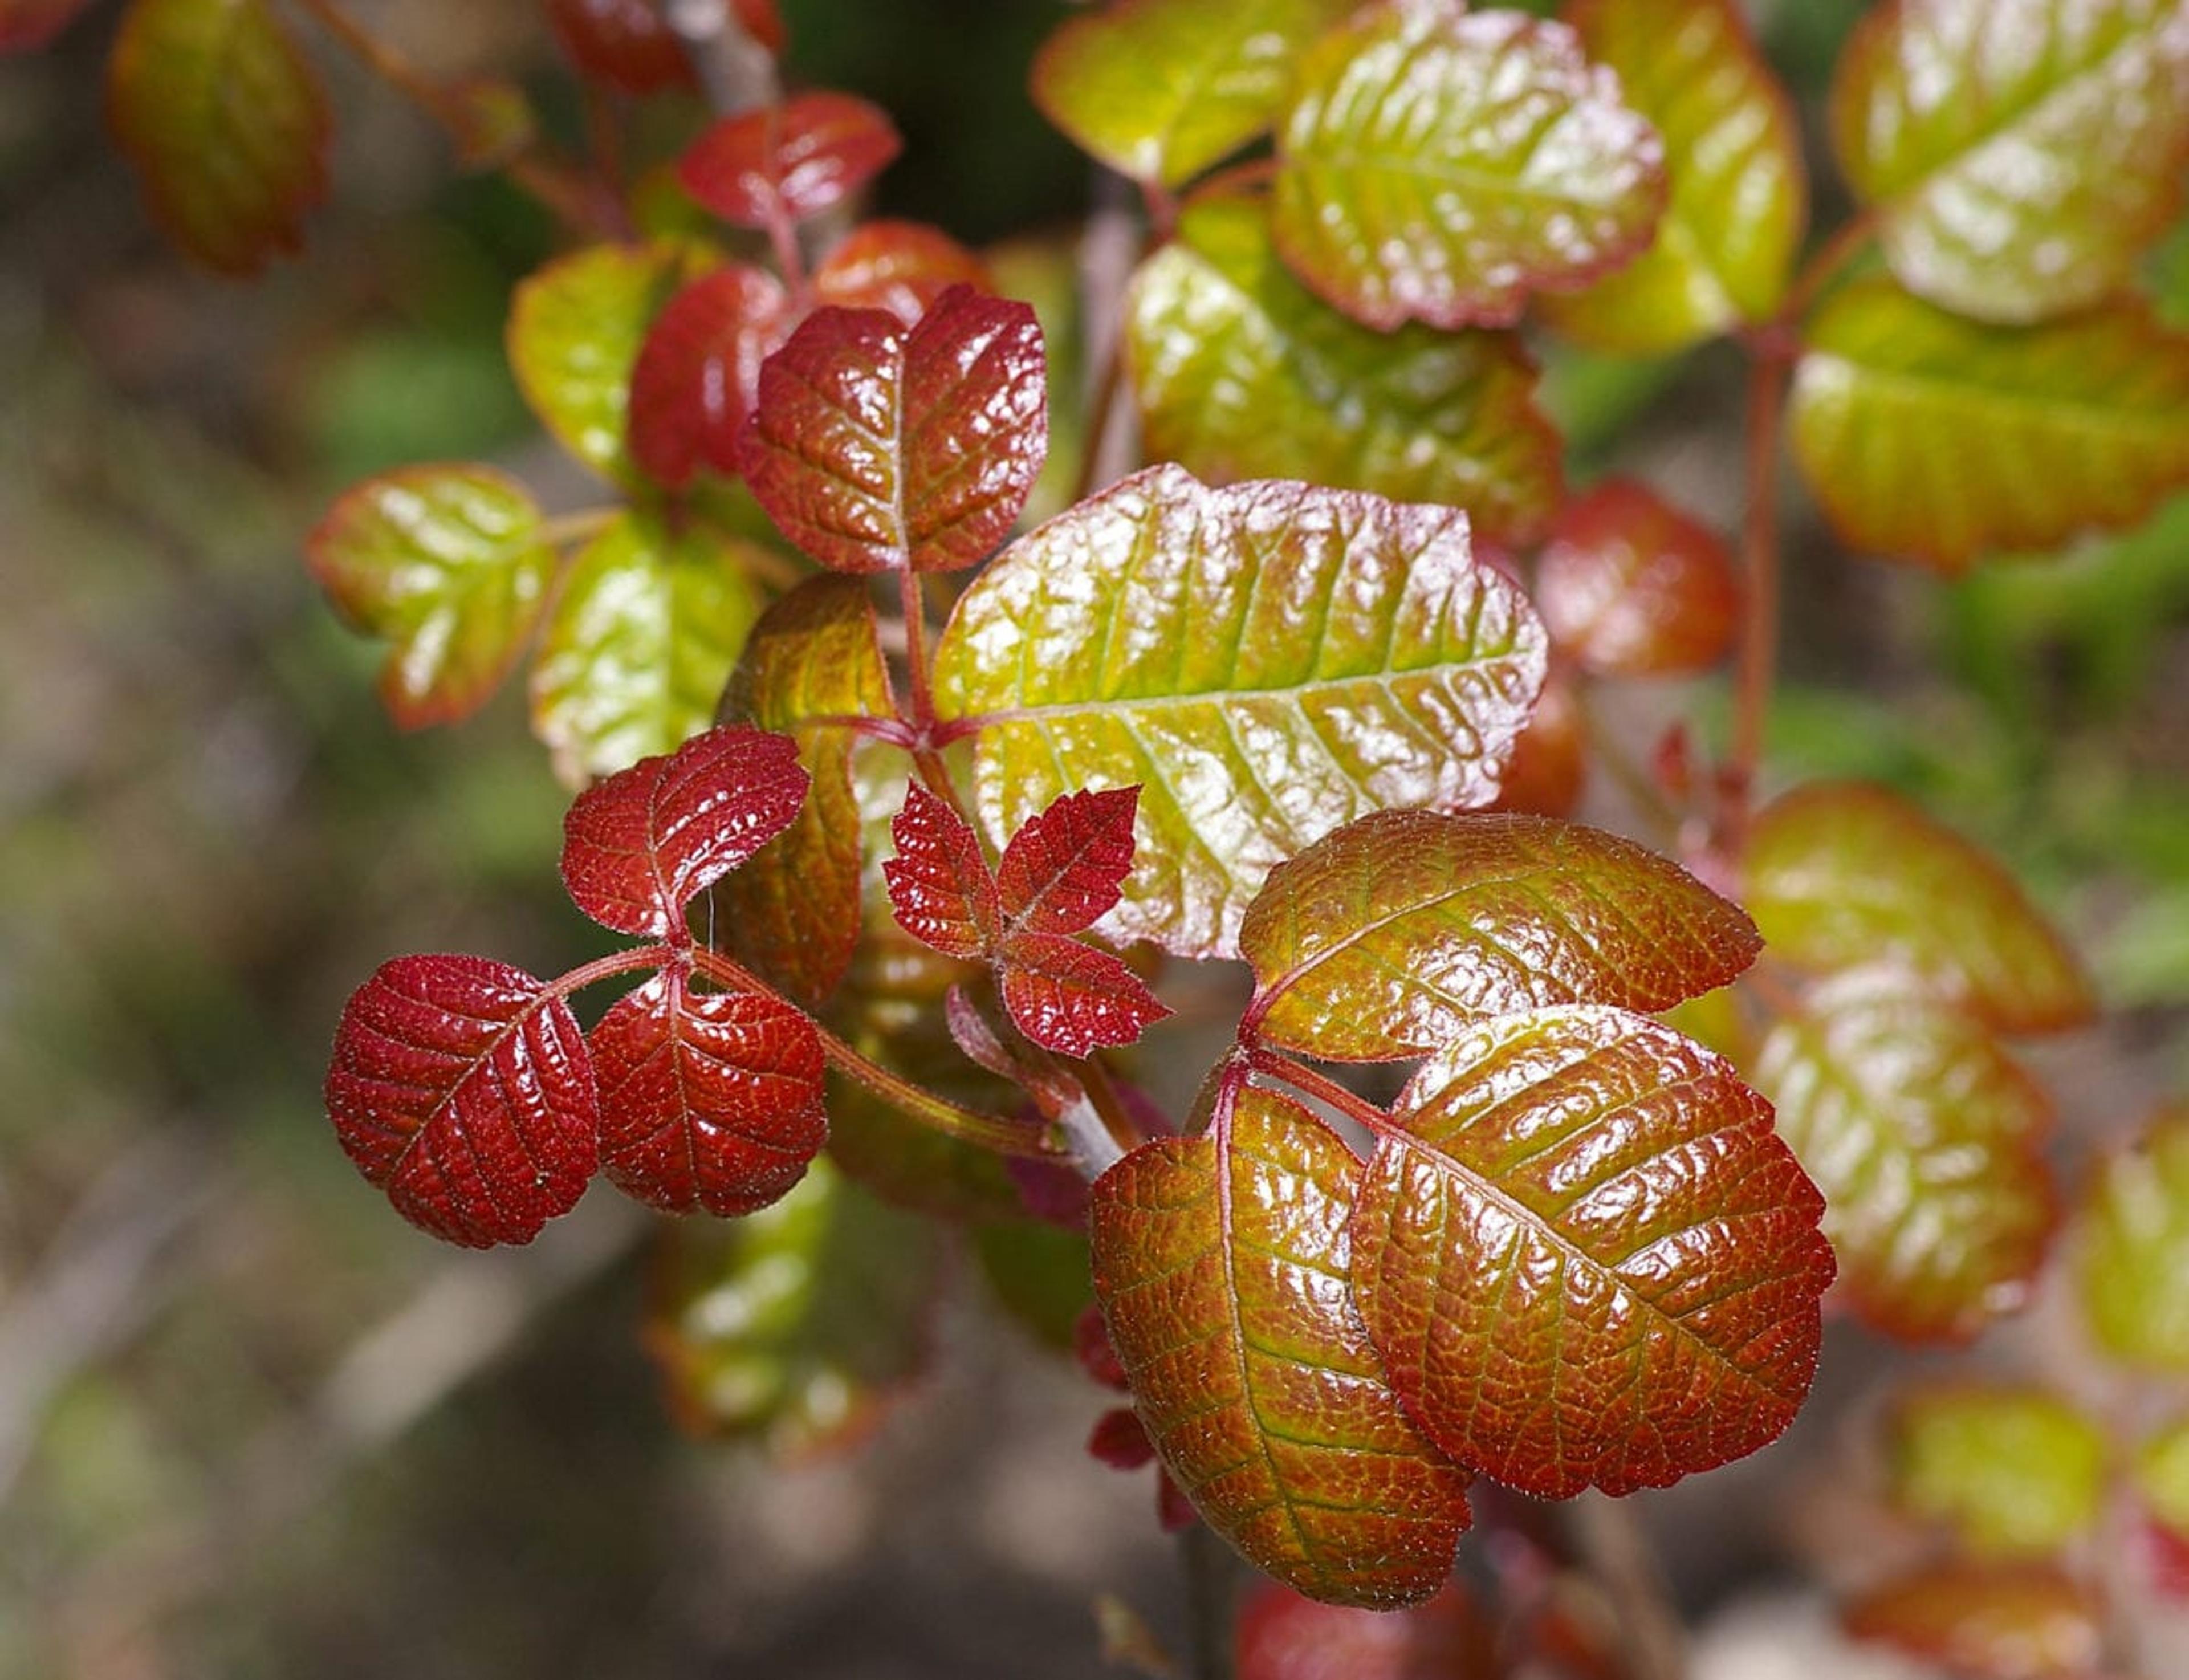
(711, 1100)
(939, 883)
(623, 44)
(463, 1088)
(1549, 765)
(699, 370)
(2027, 1621)
(1285, 1636)
(903, 267)
(1071, 997)
(28, 25)
(1090, 1345)
(874, 446)
(641, 845)
(1629, 585)
(1119, 1440)
(1064, 868)
(790, 161)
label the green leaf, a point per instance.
(1995, 1622)
(1934, 439)
(2014, 1472)
(1585, 1256)
(793, 911)
(1733, 150)
(796, 1324)
(2161, 1476)
(1038, 1274)
(1401, 929)
(1272, 660)
(1438, 165)
(2021, 153)
(1160, 89)
(1927, 1141)
(1221, 1262)
(447, 563)
(576, 330)
(1847, 875)
(226, 123)
(2132, 1250)
(1243, 373)
(638, 644)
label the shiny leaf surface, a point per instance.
(940, 883)
(1438, 165)
(226, 123)
(874, 446)
(1221, 1262)
(638, 644)
(1937, 439)
(1732, 152)
(1071, 997)
(1285, 1636)
(1629, 585)
(2012, 1471)
(1243, 373)
(1393, 934)
(2133, 1249)
(698, 372)
(463, 1088)
(903, 267)
(624, 44)
(447, 564)
(2027, 1621)
(1160, 89)
(1585, 1257)
(1066, 865)
(789, 161)
(710, 1101)
(1848, 874)
(2020, 152)
(1271, 661)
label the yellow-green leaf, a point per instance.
(2012, 1471)
(2161, 1476)
(2132, 1249)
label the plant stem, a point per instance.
(912, 606)
(1831, 259)
(1758, 653)
(737, 71)
(581, 526)
(1619, 1555)
(630, 958)
(1319, 1086)
(1211, 1596)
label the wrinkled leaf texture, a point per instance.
(790, 161)
(698, 371)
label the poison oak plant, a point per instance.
(1313, 689)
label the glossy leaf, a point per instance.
(638, 644)
(1629, 585)
(903, 267)
(874, 446)
(940, 883)
(1393, 934)
(790, 161)
(624, 44)
(1243, 373)
(463, 1088)
(1272, 660)
(1285, 1636)
(1221, 1264)
(641, 845)
(2028, 1621)
(2021, 153)
(710, 1100)
(1585, 1257)
(1071, 997)
(447, 563)
(575, 330)
(26, 25)
(796, 1327)
(2133, 1249)
(1732, 152)
(1927, 1141)
(814, 656)
(1160, 89)
(2012, 1471)
(1438, 165)
(1934, 439)
(698, 372)
(1848, 874)
(226, 123)
(1066, 865)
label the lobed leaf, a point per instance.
(1071, 997)
(26, 25)
(461, 1088)
(1847, 875)
(1998, 1621)
(903, 267)
(445, 563)
(2013, 1471)
(640, 847)
(1243, 373)
(698, 374)
(1927, 1141)
(226, 123)
(1285, 1636)
(639, 643)
(2132, 1249)
(1066, 865)
(1222, 1261)
(1732, 154)
(789, 161)
(1934, 439)
(624, 44)
(1271, 661)
(711, 1100)
(1391, 936)
(939, 883)
(874, 446)
(1438, 165)
(1586, 1258)
(1160, 89)
(1629, 585)
(2021, 153)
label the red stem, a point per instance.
(1758, 654)
(1322, 1088)
(615, 963)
